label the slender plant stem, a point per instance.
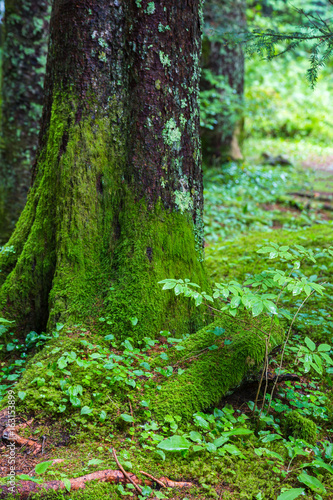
(284, 347)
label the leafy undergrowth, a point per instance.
(240, 449)
(257, 196)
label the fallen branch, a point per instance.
(26, 488)
(125, 473)
(10, 435)
(312, 196)
(153, 478)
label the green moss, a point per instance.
(153, 245)
(210, 374)
(234, 259)
(299, 427)
(45, 383)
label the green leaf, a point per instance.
(271, 437)
(324, 348)
(62, 363)
(5, 321)
(317, 368)
(218, 331)
(22, 395)
(134, 321)
(67, 484)
(62, 408)
(235, 301)
(210, 447)
(319, 463)
(291, 494)
(273, 254)
(174, 443)
(94, 461)
(233, 450)
(257, 308)
(317, 288)
(327, 358)
(41, 468)
(199, 420)
(127, 418)
(297, 289)
(109, 337)
(128, 345)
(75, 401)
(270, 306)
(195, 436)
(86, 410)
(311, 345)
(220, 441)
(168, 286)
(283, 249)
(25, 477)
(241, 431)
(265, 250)
(161, 454)
(311, 482)
(102, 416)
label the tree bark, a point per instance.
(26, 26)
(116, 200)
(223, 59)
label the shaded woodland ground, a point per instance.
(279, 196)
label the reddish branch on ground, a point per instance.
(10, 434)
(26, 488)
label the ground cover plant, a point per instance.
(222, 451)
(170, 376)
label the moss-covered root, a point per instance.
(210, 373)
(299, 427)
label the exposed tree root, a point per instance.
(10, 434)
(26, 488)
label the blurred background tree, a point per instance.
(222, 82)
(24, 49)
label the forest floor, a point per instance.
(226, 453)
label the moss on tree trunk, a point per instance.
(116, 201)
(25, 39)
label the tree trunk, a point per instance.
(26, 25)
(116, 201)
(115, 206)
(219, 58)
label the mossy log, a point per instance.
(211, 373)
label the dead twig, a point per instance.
(10, 435)
(153, 478)
(131, 409)
(125, 473)
(43, 443)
